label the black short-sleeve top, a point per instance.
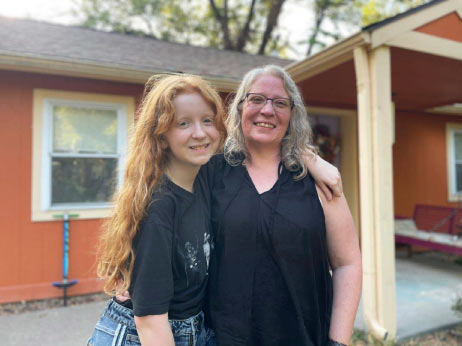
(270, 281)
(172, 252)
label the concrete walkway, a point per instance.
(426, 289)
(66, 326)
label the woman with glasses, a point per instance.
(269, 224)
(277, 239)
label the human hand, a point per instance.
(326, 176)
(123, 297)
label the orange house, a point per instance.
(68, 97)
(394, 91)
(396, 88)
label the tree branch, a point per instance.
(244, 35)
(271, 23)
(320, 15)
(148, 23)
(223, 20)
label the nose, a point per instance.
(198, 131)
(267, 108)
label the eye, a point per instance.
(182, 123)
(257, 99)
(281, 103)
(208, 121)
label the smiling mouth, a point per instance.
(268, 126)
(199, 147)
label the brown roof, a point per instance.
(34, 39)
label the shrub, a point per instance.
(457, 307)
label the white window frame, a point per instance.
(451, 130)
(44, 101)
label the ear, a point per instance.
(163, 143)
(240, 105)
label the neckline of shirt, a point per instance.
(180, 190)
(283, 174)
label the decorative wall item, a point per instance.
(326, 136)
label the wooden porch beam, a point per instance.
(375, 134)
(383, 134)
(328, 58)
(429, 44)
(384, 34)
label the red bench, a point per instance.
(434, 227)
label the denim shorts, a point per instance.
(116, 327)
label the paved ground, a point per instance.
(65, 326)
(426, 289)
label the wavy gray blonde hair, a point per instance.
(298, 140)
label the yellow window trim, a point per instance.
(39, 96)
(349, 154)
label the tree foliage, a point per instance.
(355, 13)
(334, 11)
(239, 25)
(373, 11)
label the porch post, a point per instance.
(375, 134)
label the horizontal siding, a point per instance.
(32, 251)
(419, 161)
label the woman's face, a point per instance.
(266, 124)
(193, 137)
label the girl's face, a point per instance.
(266, 124)
(193, 137)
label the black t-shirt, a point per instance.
(269, 274)
(172, 249)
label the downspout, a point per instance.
(369, 286)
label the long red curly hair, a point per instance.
(146, 162)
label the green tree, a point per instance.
(239, 25)
(355, 13)
(373, 11)
(335, 11)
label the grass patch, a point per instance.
(361, 338)
(458, 260)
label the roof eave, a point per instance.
(95, 70)
(332, 56)
(384, 32)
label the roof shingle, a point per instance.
(23, 37)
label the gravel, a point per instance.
(447, 337)
(44, 304)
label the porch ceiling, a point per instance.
(419, 81)
(335, 87)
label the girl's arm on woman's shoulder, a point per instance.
(154, 330)
(345, 261)
(326, 176)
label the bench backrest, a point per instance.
(427, 217)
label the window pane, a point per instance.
(459, 177)
(84, 130)
(458, 145)
(82, 180)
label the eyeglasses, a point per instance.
(280, 104)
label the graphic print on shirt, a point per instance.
(191, 257)
(207, 247)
